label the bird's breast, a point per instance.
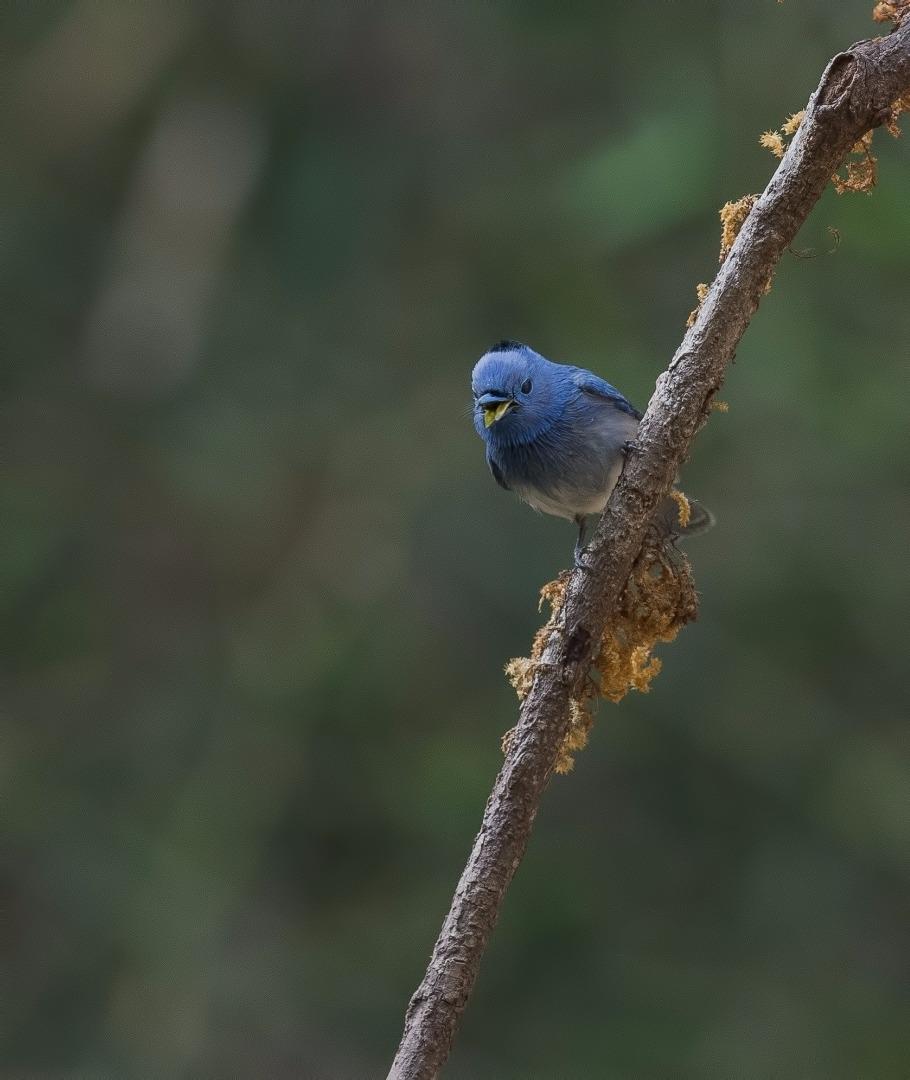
(571, 469)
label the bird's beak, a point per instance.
(495, 410)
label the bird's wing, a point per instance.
(497, 472)
(590, 383)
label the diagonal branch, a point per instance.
(854, 95)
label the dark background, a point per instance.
(258, 587)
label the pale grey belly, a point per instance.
(569, 501)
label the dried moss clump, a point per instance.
(732, 216)
(775, 141)
(701, 291)
(859, 175)
(900, 105)
(791, 125)
(658, 600)
(685, 510)
(890, 10)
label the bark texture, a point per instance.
(854, 95)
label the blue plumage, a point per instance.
(556, 435)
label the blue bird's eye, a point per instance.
(526, 386)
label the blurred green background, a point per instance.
(258, 587)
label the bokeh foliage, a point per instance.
(258, 588)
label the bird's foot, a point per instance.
(631, 447)
(581, 563)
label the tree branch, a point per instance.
(854, 95)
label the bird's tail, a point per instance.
(681, 516)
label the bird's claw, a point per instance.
(580, 561)
(631, 447)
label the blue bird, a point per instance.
(557, 436)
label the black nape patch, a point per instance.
(505, 346)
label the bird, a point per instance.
(558, 436)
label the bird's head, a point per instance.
(517, 393)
